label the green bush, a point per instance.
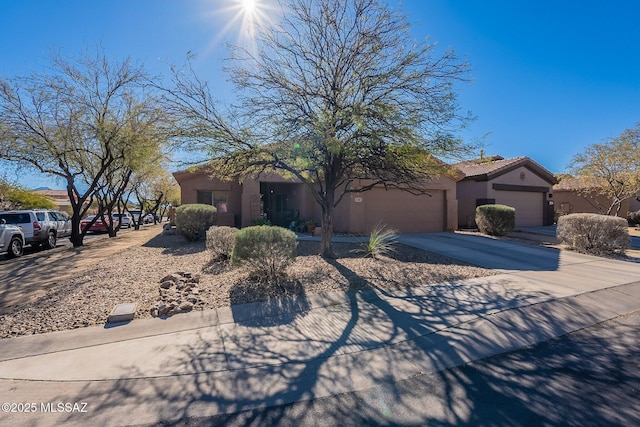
(266, 250)
(495, 220)
(220, 241)
(380, 243)
(261, 220)
(194, 220)
(594, 234)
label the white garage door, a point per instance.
(405, 212)
(528, 206)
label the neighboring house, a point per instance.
(59, 197)
(285, 200)
(572, 195)
(518, 182)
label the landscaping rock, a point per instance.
(178, 293)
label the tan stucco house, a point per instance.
(283, 200)
(572, 195)
(517, 182)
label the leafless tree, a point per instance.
(339, 96)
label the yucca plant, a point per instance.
(381, 242)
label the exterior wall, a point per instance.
(191, 183)
(530, 205)
(360, 212)
(569, 201)
(357, 212)
(514, 178)
(468, 192)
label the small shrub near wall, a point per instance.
(265, 250)
(194, 220)
(220, 241)
(633, 219)
(594, 234)
(495, 220)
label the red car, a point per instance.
(100, 226)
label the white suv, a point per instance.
(39, 226)
(11, 239)
(124, 219)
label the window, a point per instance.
(16, 218)
(205, 197)
(219, 199)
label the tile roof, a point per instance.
(492, 166)
(570, 183)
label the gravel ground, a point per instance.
(133, 275)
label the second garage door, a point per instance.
(405, 212)
(528, 205)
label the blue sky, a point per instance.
(549, 77)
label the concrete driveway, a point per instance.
(489, 252)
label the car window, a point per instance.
(40, 216)
(58, 216)
(16, 218)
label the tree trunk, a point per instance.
(326, 251)
(76, 236)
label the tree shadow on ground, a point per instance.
(175, 244)
(371, 340)
(290, 302)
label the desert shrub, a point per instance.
(593, 233)
(381, 242)
(633, 219)
(261, 220)
(495, 220)
(265, 250)
(194, 220)
(220, 241)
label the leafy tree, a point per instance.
(336, 93)
(72, 122)
(154, 189)
(139, 151)
(610, 169)
(17, 197)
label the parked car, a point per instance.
(11, 239)
(99, 226)
(125, 219)
(148, 218)
(39, 226)
(136, 216)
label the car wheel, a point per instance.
(15, 248)
(51, 241)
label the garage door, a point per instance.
(405, 212)
(528, 206)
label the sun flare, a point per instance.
(249, 6)
(242, 18)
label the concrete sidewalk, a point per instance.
(243, 357)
